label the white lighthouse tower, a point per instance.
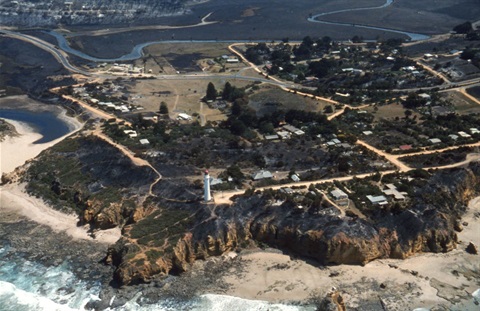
(206, 187)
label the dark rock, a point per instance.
(334, 274)
(458, 226)
(472, 249)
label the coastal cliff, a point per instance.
(427, 226)
(166, 231)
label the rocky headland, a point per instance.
(166, 231)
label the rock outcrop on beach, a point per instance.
(166, 231)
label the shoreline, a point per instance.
(14, 199)
(424, 280)
(26, 135)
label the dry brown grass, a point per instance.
(272, 94)
(211, 50)
(463, 105)
(389, 111)
(180, 95)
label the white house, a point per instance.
(262, 175)
(184, 116)
(377, 200)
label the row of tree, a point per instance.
(229, 93)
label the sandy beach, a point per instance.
(422, 281)
(14, 152)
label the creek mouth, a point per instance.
(45, 123)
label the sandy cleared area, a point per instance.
(423, 281)
(15, 151)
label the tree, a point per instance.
(328, 109)
(408, 113)
(237, 108)
(321, 68)
(227, 91)
(236, 173)
(463, 28)
(357, 39)
(163, 108)
(237, 128)
(211, 92)
(468, 53)
(307, 41)
(413, 101)
(266, 127)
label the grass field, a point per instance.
(388, 112)
(463, 105)
(263, 101)
(180, 95)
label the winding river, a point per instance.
(413, 36)
(137, 51)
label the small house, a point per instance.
(262, 174)
(340, 197)
(377, 200)
(392, 191)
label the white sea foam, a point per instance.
(223, 302)
(211, 302)
(15, 299)
(27, 285)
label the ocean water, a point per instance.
(27, 286)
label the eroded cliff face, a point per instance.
(427, 226)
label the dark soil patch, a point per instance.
(184, 62)
(474, 91)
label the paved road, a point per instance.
(61, 56)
